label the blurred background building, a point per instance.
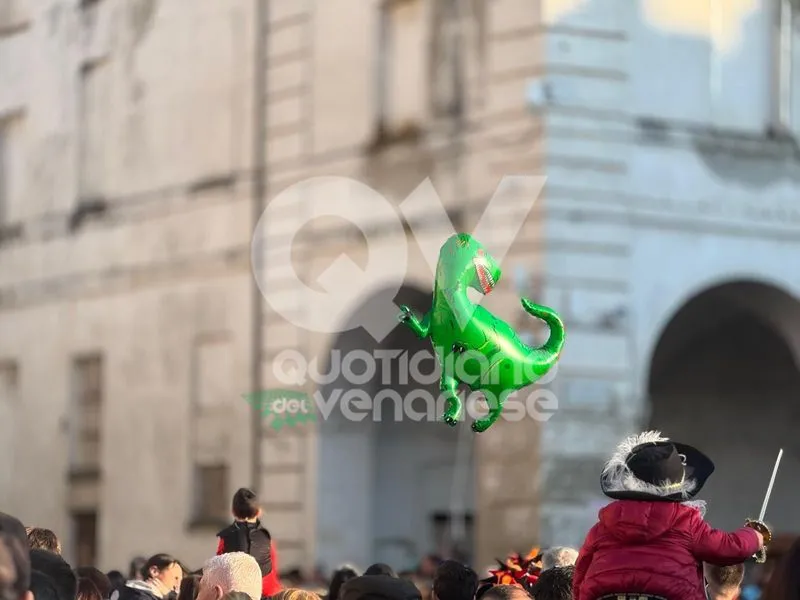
(141, 139)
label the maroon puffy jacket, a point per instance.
(654, 548)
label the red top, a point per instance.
(654, 548)
(270, 583)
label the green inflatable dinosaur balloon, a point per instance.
(473, 346)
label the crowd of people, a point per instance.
(650, 542)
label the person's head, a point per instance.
(135, 568)
(554, 584)
(230, 572)
(724, 583)
(380, 569)
(116, 578)
(505, 592)
(295, 594)
(190, 586)
(98, 578)
(165, 571)
(59, 570)
(369, 587)
(245, 505)
(454, 581)
(340, 576)
(39, 537)
(559, 556)
(428, 566)
(87, 590)
(15, 564)
(293, 577)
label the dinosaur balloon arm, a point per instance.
(420, 327)
(425, 325)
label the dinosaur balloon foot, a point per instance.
(452, 421)
(480, 426)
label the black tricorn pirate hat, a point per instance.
(648, 466)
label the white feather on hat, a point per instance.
(618, 477)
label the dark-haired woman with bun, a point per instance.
(161, 580)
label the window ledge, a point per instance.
(409, 133)
(12, 29)
(87, 209)
(85, 474)
(10, 232)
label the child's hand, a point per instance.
(760, 539)
(765, 535)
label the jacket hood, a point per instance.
(379, 587)
(637, 522)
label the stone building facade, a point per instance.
(667, 236)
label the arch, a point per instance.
(384, 480)
(765, 294)
(724, 375)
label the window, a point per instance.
(9, 380)
(782, 64)
(5, 174)
(785, 102)
(453, 535)
(95, 91)
(87, 403)
(84, 535)
(11, 168)
(10, 406)
(212, 496)
(401, 75)
(212, 423)
(430, 52)
(457, 41)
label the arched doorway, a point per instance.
(724, 377)
(390, 488)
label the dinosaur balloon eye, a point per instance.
(480, 252)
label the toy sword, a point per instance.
(763, 512)
(759, 525)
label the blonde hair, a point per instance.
(295, 594)
(726, 578)
(234, 572)
(39, 537)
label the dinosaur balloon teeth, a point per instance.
(484, 277)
